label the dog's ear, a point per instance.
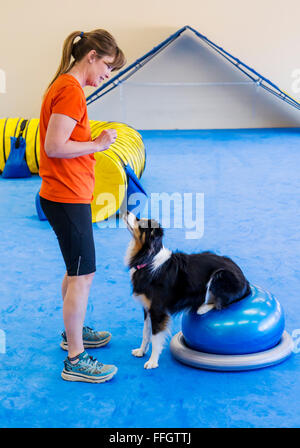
(155, 239)
(156, 232)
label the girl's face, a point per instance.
(99, 69)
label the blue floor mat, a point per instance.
(249, 180)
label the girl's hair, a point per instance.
(99, 40)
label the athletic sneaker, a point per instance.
(91, 338)
(87, 369)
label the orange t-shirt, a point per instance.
(66, 180)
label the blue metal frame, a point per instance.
(256, 77)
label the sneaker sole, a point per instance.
(67, 376)
(88, 344)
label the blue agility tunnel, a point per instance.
(249, 334)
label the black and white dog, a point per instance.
(168, 282)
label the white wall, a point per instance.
(263, 33)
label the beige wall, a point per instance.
(265, 34)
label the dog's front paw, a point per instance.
(151, 364)
(138, 352)
(203, 309)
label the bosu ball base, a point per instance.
(210, 361)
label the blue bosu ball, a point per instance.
(251, 325)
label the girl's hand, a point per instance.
(105, 139)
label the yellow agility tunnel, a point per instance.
(110, 176)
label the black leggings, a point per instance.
(72, 224)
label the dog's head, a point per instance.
(147, 235)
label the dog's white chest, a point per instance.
(160, 258)
(131, 272)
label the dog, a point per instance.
(167, 282)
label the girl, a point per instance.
(67, 172)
